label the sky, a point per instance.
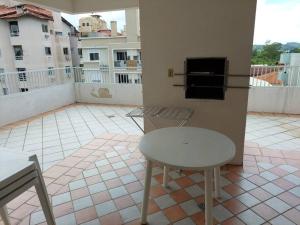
(118, 16)
(276, 20)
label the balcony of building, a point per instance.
(74, 120)
(94, 171)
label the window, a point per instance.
(83, 24)
(66, 51)
(1, 70)
(68, 69)
(22, 74)
(18, 52)
(58, 33)
(94, 56)
(87, 24)
(23, 89)
(80, 52)
(121, 55)
(45, 28)
(81, 65)
(14, 28)
(48, 50)
(135, 57)
(50, 71)
(5, 91)
(51, 31)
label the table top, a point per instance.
(13, 166)
(187, 147)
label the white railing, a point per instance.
(130, 78)
(265, 76)
(129, 64)
(103, 76)
(15, 82)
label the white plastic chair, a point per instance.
(18, 174)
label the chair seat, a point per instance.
(13, 166)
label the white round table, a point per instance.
(186, 148)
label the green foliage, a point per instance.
(269, 54)
(296, 50)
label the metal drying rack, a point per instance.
(179, 114)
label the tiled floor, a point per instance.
(102, 183)
(57, 134)
(98, 176)
(280, 131)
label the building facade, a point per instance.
(109, 56)
(34, 39)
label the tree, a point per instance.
(268, 55)
(295, 50)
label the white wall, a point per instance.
(21, 106)
(274, 100)
(121, 94)
(172, 30)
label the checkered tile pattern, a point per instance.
(102, 183)
(55, 135)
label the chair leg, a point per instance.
(4, 215)
(42, 193)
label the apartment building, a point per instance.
(109, 55)
(33, 38)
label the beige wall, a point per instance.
(198, 28)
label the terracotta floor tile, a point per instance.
(278, 171)
(93, 180)
(56, 171)
(265, 211)
(233, 189)
(289, 198)
(180, 196)
(23, 211)
(100, 197)
(293, 215)
(134, 187)
(233, 221)
(63, 209)
(235, 206)
(184, 182)
(113, 183)
(124, 202)
(152, 207)
(157, 191)
(79, 193)
(260, 194)
(284, 184)
(113, 218)
(86, 215)
(233, 177)
(174, 213)
(63, 180)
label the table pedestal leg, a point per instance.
(146, 191)
(166, 176)
(217, 181)
(208, 196)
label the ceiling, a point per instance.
(84, 6)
